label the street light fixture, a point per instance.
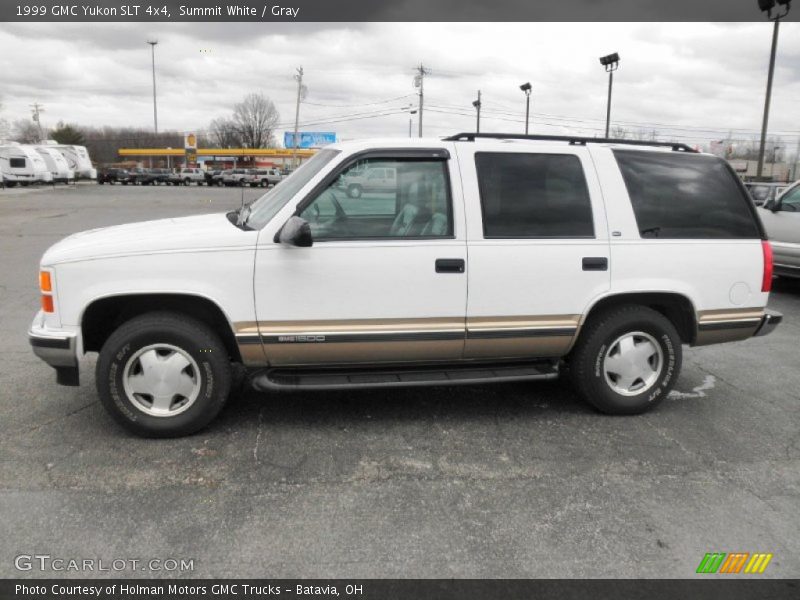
(526, 87)
(611, 64)
(767, 6)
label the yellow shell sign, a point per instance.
(190, 141)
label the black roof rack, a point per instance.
(572, 140)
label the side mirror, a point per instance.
(296, 232)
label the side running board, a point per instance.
(332, 379)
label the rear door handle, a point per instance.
(450, 265)
(595, 263)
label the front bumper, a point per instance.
(769, 321)
(59, 349)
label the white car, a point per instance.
(490, 260)
(235, 177)
(781, 218)
(187, 176)
(263, 177)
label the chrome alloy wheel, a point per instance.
(633, 363)
(161, 380)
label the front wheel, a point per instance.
(627, 360)
(163, 375)
(354, 191)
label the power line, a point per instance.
(386, 101)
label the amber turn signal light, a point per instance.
(45, 283)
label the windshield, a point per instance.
(270, 203)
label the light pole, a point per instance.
(611, 64)
(526, 87)
(153, 44)
(298, 77)
(774, 160)
(477, 105)
(767, 6)
(411, 111)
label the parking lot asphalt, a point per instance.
(509, 480)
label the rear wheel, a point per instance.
(186, 181)
(627, 360)
(354, 191)
(163, 375)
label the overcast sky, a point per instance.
(691, 82)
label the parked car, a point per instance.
(209, 176)
(187, 175)
(159, 176)
(374, 179)
(263, 177)
(490, 260)
(762, 192)
(218, 176)
(781, 218)
(137, 176)
(112, 175)
(234, 177)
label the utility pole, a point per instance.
(477, 105)
(419, 81)
(298, 77)
(37, 109)
(768, 99)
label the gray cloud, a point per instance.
(692, 81)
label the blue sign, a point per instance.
(309, 139)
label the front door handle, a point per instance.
(450, 265)
(595, 263)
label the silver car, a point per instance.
(781, 218)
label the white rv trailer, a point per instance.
(15, 165)
(57, 164)
(40, 170)
(77, 158)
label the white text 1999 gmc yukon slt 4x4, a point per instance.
(492, 258)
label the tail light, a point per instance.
(766, 283)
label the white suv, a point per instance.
(491, 259)
(187, 175)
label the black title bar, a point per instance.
(383, 10)
(707, 588)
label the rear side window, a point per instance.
(686, 196)
(16, 163)
(533, 196)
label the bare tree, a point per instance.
(618, 132)
(5, 129)
(224, 133)
(26, 132)
(255, 118)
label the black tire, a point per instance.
(191, 336)
(354, 191)
(587, 361)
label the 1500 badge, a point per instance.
(301, 338)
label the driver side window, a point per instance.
(384, 199)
